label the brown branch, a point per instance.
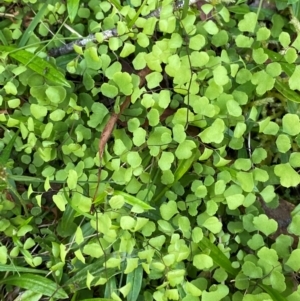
(112, 122)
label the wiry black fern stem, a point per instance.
(107, 34)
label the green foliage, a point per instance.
(171, 209)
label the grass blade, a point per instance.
(185, 8)
(14, 268)
(132, 22)
(182, 169)
(36, 64)
(72, 6)
(133, 201)
(5, 155)
(33, 24)
(37, 284)
(135, 278)
(217, 256)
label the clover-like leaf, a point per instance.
(264, 224)
(168, 210)
(214, 133)
(291, 124)
(248, 23)
(287, 175)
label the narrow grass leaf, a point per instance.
(5, 155)
(3, 39)
(132, 22)
(218, 256)
(32, 25)
(286, 91)
(14, 268)
(97, 269)
(182, 169)
(36, 64)
(185, 8)
(72, 6)
(133, 201)
(98, 299)
(119, 7)
(29, 296)
(135, 278)
(275, 295)
(37, 284)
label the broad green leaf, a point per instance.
(109, 90)
(293, 261)
(60, 202)
(284, 39)
(233, 108)
(255, 242)
(133, 201)
(175, 277)
(213, 224)
(202, 261)
(268, 193)
(211, 27)
(185, 149)
(214, 133)
(66, 226)
(36, 64)
(263, 81)
(277, 280)
(252, 270)
(283, 143)
(246, 180)
(33, 24)
(29, 296)
(93, 249)
(220, 75)
(135, 279)
(37, 284)
(248, 23)
(264, 224)
(291, 55)
(183, 167)
(287, 175)
(220, 39)
(291, 124)
(6, 152)
(259, 56)
(168, 210)
(294, 79)
(3, 255)
(153, 79)
(285, 90)
(97, 269)
(197, 42)
(38, 111)
(136, 16)
(263, 34)
(220, 292)
(166, 161)
(275, 295)
(258, 155)
(218, 256)
(72, 6)
(128, 49)
(124, 82)
(234, 201)
(56, 94)
(295, 159)
(294, 226)
(274, 69)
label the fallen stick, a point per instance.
(107, 34)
